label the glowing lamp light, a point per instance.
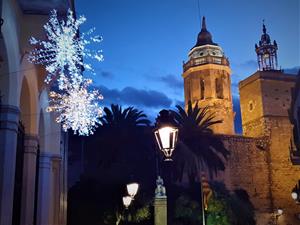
(132, 189)
(126, 201)
(166, 138)
(166, 133)
(294, 195)
(279, 211)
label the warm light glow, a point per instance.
(132, 189)
(280, 211)
(126, 201)
(294, 195)
(166, 138)
(165, 134)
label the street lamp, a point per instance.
(132, 189)
(277, 214)
(296, 193)
(279, 211)
(126, 201)
(166, 133)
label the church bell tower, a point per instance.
(207, 81)
(266, 52)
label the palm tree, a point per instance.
(129, 117)
(198, 147)
(122, 130)
(120, 151)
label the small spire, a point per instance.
(203, 23)
(264, 27)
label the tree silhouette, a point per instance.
(198, 146)
(120, 151)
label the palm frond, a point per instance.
(196, 134)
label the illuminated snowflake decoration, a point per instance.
(64, 50)
(77, 108)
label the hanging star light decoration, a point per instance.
(77, 108)
(64, 50)
(63, 53)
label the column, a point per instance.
(160, 211)
(28, 186)
(56, 191)
(9, 117)
(63, 179)
(160, 203)
(44, 189)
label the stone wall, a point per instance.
(262, 167)
(284, 174)
(265, 99)
(247, 168)
(220, 106)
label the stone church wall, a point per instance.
(263, 168)
(247, 168)
(284, 174)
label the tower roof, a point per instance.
(204, 37)
(266, 51)
(265, 38)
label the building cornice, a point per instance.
(206, 67)
(267, 75)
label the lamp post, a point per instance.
(296, 193)
(132, 189)
(126, 201)
(166, 134)
(277, 214)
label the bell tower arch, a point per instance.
(207, 81)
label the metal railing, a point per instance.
(205, 60)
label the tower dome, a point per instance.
(204, 37)
(205, 51)
(265, 38)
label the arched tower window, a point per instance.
(219, 88)
(187, 90)
(202, 89)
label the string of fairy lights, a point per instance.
(62, 54)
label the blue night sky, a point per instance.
(145, 43)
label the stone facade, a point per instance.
(260, 160)
(207, 81)
(264, 95)
(268, 116)
(221, 105)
